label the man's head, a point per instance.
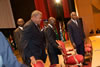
(52, 21)
(20, 22)
(74, 16)
(36, 16)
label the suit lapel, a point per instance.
(73, 24)
(36, 26)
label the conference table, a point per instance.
(95, 41)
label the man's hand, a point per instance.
(33, 61)
(60, 47)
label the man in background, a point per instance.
(76, 34)
(18, 32)
(52, 47)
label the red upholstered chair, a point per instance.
(88, 50)
(72, 59)
(88, 45)
(39, 63)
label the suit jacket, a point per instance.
(31, 40)
(17, 36)
(7, 56)
(76, 33)
(52, 46)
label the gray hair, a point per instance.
(36, 12)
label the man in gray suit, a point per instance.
(18, 31)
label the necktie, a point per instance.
(76, 23)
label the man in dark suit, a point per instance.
(18, 31)
(31, 40)
(76, 33)
(52, 46)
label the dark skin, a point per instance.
(74, 16)
(20, 22)
(52, 22)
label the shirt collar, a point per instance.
(73, 20)
(20, 27)
(50, 26)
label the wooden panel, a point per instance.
(6, 16)
(96, 3)
(96, 50)
(84, 10)
(97, 20)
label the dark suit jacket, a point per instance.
(52, 46)
(17, 36)
(31, 40)
(76, 33)
(8, 58)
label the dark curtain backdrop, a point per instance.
(22, 9)
(50, 8)
(71, 6)
(66, 8)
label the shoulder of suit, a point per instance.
(69, 22)
(16, 30)
(28, 24)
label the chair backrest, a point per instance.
(62, 45)
(63, 50)
(39, 63)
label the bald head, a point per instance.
(73, 15)
(52, 21)
(20, 22)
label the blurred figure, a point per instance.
(92, 32)
(52, 46)
(31, 40)
(18, 31)
(76, 34)
(97, 31)
(7, 58)
(43, 31)
(1, 62)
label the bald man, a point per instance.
(18, 31)
(52, 46)
(76, 34)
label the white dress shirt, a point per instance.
(75, 21)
